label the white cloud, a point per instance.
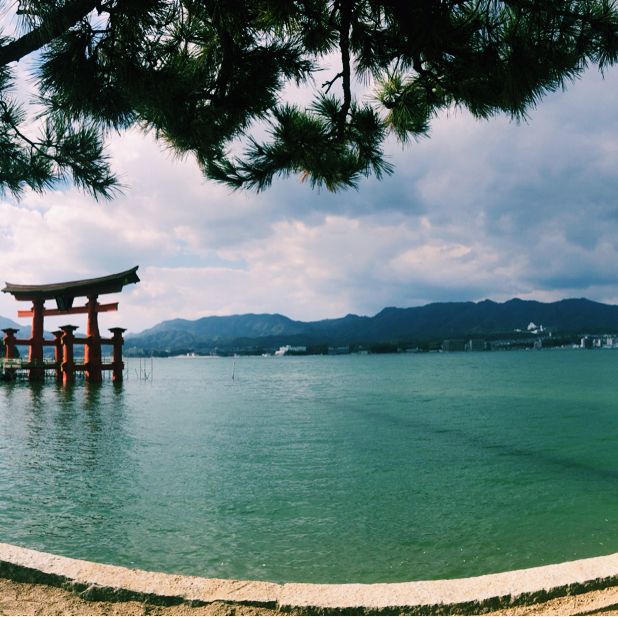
(481, 209)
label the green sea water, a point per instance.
(321, 469)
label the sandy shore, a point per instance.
(34, 599)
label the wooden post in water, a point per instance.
(10, 349)
(117, 363)
(68, 363)
(35, 352)
(92, 350)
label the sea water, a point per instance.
(320, 469)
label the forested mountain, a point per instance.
(5, 322)
(403, 326)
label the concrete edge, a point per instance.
(480, 594)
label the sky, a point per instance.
(481, 209)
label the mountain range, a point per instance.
(24, 330)
(391, 326)
(5, 322)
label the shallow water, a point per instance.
(321, 469)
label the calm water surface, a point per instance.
(321, 469)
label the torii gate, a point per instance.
(64, 294)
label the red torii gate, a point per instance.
(64, 294)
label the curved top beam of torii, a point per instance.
(65, 293)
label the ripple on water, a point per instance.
(339, 469)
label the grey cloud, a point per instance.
(294, 199)
(533, 207)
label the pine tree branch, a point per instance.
(329, 83)
(534, 7)
(50, 29)
(91, 174)
(33, 145)
(344, 43)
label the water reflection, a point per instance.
(68, 458)
(92, 402)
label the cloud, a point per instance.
(481, 209)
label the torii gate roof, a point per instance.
(65, 293)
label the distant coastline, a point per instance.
(449, 326)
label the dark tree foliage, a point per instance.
(207, 76)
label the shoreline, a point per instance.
(18, 598)
(60, 585)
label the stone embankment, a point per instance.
(567, 588)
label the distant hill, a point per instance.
(226, 328)
(24, 331)
(400, 326)
(5, 322)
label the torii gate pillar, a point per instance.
(92, 349)
(35, 353)
(117, 364)
(68, 364)
(10, 348)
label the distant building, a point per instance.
(338, 351)
(534, 329)
(586, 342)
(453, 345)
(476, 344)
(291, 349)
(511, 344)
